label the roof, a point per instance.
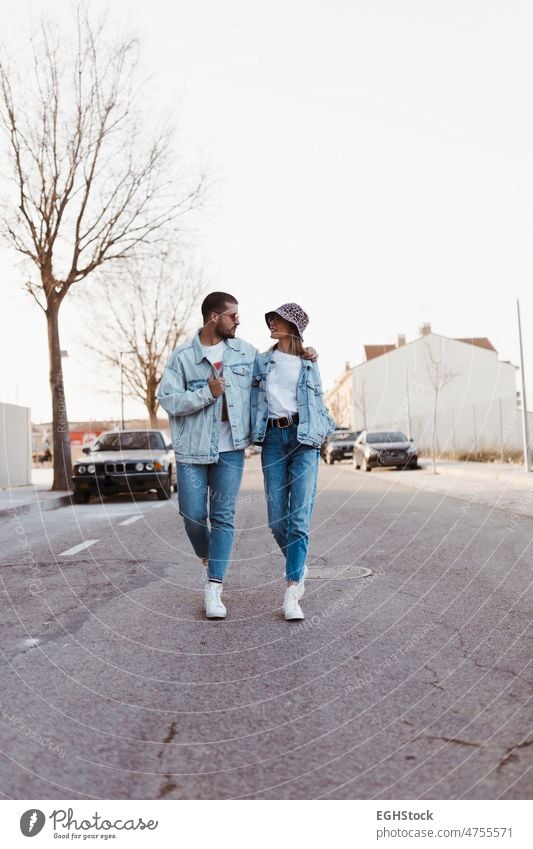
(373, 351)
(480, 341)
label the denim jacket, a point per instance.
(194, 414)
(315, 423)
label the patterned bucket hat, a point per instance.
(293, 313)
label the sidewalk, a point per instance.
(506, 486)
(34, 498)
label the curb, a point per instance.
(37, 506)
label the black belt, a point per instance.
(285, 421)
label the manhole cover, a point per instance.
(338, 573)
(315, 561)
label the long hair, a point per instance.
(296, 346)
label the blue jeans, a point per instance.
(210, 490)
(290, 472)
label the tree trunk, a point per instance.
(60, 426)
(152, 404)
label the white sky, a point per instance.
(375, 164)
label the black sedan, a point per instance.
(125, 461)
(383, 448)
(339, 446)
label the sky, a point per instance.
(373, 164)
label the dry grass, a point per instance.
(481, 456)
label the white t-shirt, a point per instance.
(214, 354)
(281, 385)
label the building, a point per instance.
(340, 399)
(455, 391)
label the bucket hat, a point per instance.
(291, 312)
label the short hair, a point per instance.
(216, 302)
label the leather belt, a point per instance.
(284, 421)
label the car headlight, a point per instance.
(139, 467)
(91, 469)
(80, 470)
(149, 467)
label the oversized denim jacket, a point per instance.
(194, 414)
(315, 423)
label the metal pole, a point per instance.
(525, 428)
(409, 434)
(121, 392)
(502, 456)
(453, 433)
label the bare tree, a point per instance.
(142, 313)
(440, 374)
(88, 182)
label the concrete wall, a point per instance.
(15, 445)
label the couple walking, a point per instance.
(220, 395)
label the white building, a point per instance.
(459, 382)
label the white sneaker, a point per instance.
(214, 609)
(291, 608)
(300, 586)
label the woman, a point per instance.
(290, 421)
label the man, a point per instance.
(205, 390)
(46, 453)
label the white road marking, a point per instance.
(155, 506)
(104, 517)
(131, 520)
(79, 547)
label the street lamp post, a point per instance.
(525, 428)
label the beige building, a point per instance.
(340, 399)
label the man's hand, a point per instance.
(310, 354)
(216, 385)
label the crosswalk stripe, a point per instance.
(80, 547)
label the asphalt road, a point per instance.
(414, 682)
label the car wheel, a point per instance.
(81, 497)
(164, 490)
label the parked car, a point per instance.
(324, 445)
(339, 446)
(125, 461)
(384, 448)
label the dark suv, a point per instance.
(339, 446)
